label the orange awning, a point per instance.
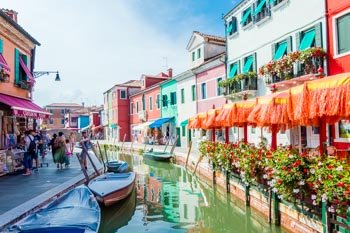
(271, 110)
(327, 98)
(197, 121)
(210, 121)
(225, 116)
(241, 112)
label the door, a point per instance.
(189, 138)
(178, 141)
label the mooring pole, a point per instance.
(123, 142)
(188, 153)
(83, 168)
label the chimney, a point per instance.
(170, 72)
(11, 13)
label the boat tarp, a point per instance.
(63, 214)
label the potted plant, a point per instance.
(4, 75)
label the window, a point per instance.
(344, 129)
(51, 121)
(158, 101)
(247, 17)
(343, 39)
(276, 2)
(234, 130)
(253, 130)
(143, 103)
(233, 70)
(62, 121)
(193, 56)
(172, 98)
(193, 88)
(307, 39)
(261, 10)
(182, 95)
(20, 74)
(131, 108)
(204, 90)
(315, 130)
(165, 101)
(281, 50)
(137, 107)
(219, 89)
(122, 94)
(198, 53)
(62, 111)
(150, 103)
(232, 26)
(183, 129)
(248, 64)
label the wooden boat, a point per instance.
(62, 215)
(110, 188)
(117, 166)
(159, 156)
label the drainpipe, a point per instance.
(327, 36)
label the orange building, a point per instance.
(17, 55)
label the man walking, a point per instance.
(30, 150)
(85, 143)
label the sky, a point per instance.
(95, 44)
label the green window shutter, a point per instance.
(198, 53)
(343, 25)
(273, 49)
(230, 28)
(297, 39)
(308, 39)
(182, 95)
(193, 92)
(233, 70)
(25, 60)
(234, 24)
(17, 54)
(281, 50)
(183, 129)
(193, 56)
(1, 46)
(259, 7)
(318, 36)
(245, 16)
(254, 62)
(289, 44)
(239, 67)
(248, 64)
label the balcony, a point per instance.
(294, 67)
(240, 85)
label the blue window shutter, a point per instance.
(318, 36)
(230, 28)
(289, 44)
(259, 7)
(16, 66)
(1, 46)
(308, 39)
(272, 2)
(234, 24)
(281, 51)
(247, 13)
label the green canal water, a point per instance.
(167, 198)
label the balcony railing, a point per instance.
(234, 87)
(293, 65)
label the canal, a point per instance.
(168, 198)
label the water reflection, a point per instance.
(169, 199)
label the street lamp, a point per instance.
(38, 74)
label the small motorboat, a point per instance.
(62, 215)
(159, 156)
(117, 166)
(110, 188)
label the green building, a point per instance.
(169, 108)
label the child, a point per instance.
(68, 152)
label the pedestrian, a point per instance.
(60, 150)
(38, 143)
(85, 143)
(68, 152)
(30, 149)
(72, 140)
(52, 146)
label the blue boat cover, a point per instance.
(158, 123)
(76, 211)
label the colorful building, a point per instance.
(116, 107)
(145, 107)
(259, 31)
(17, 57)
(338, 21)
(61, 115)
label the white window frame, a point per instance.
(337, 136)
(121, 95)
(206, 91)
(217, 87)
(335, 34)
(131, 108)
(159, 101)
(151, 103)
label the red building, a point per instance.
(338, 20)
(145, 105)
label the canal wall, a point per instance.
(289, 216)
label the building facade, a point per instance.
(280, 30)
(338, 21)
(62, 115)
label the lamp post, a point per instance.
(38, 74)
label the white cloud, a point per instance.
(95, 45)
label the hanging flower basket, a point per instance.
(4, 75)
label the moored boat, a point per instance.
(159, 156)
(117, 166)
(110, 188)
(62, 215)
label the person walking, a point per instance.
(52, 146)
(68, 153)
(85, 144)
(30, 150)
(60, 150)
(72, 141)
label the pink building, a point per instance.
(145, 105)
(208, 76)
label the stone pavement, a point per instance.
(21, 194)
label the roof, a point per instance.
(64, 105)
(211, 38)
(131, 83)
(18, 27)
(148, 88)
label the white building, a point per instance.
(258, 31)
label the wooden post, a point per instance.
(323, 135)
(92, 163)
(174, 145)
(247, 195)
(213, 135)
(83, 168)
(245, 133)
(270, 207)
(188, 153)
(103, 161)
(325, 220)
(273, 137)
(227, 135)
(276, 209)
(199, 159)
(123, 142)
(214, 175)
(228, 181)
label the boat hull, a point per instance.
(158, 156)
(117, 167)
(117, 196)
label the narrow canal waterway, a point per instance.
(167, 198)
